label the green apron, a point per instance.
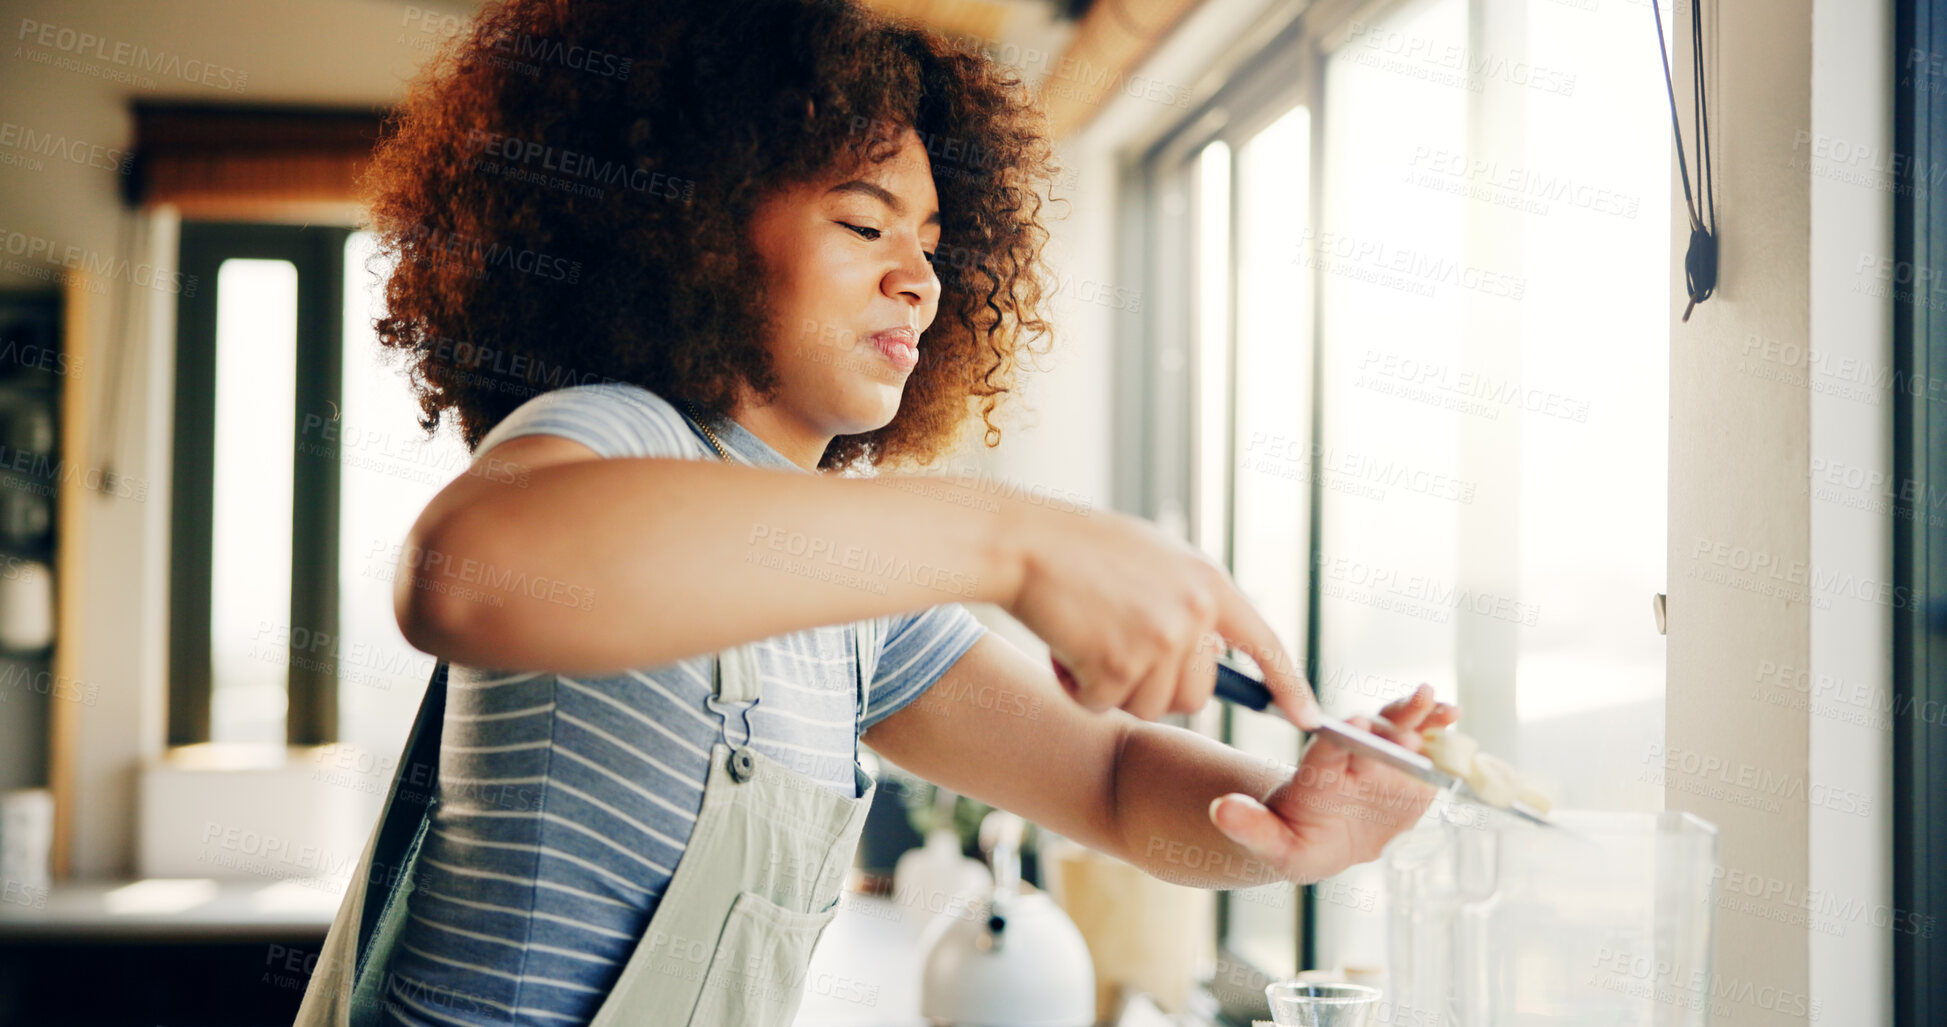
(731, 939)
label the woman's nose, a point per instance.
(914, 278)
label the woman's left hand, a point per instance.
(1339, 808)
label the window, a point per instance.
(300, 468)
(1421, 407)
(389, 471)
(252, 484)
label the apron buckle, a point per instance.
(742, 765)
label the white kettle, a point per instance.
(1017, 960)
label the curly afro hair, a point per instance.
(565, 194)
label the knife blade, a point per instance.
(1239, 687)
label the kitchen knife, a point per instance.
(1237, 686)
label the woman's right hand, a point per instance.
(1134, 617)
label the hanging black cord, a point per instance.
(1683, 167)
(1709, 182)
(1700, 261)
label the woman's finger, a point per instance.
(1198, 678)
(1240, 623)
(1442, 715)
(1262, 833)
(1389, 731)
(1094, 688)
(1409, 712)
(1154, 693)
(1063, 676)
(1326, 760)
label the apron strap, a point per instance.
(736, 671)
(866, 635)
(736, 675)
(413, 788)
(736, 683)
(866, 632)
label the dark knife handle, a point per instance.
(1238, 688)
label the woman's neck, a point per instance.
(800, 443)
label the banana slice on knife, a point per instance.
(1450, 750)
(1492, 778)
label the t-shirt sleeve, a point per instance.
(613, 419)
(918, 648)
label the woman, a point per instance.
(683, 275)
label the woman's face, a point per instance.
(849, 263)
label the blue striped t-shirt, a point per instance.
(565, 801)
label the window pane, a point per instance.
(1213, 349)
(1271, 513)
(1494, 392)
(389, 472)
(1388, 317)
(1271, 496)
(250, 565)
(1594, 509)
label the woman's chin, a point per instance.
(874, 406)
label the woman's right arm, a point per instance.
(544, 556)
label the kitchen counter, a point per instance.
(176, 909)
(865, 971)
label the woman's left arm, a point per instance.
(997, 727)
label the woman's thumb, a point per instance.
(1247, 822)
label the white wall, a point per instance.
(1779, 630)
(1739, 446)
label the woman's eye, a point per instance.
(868, 234)
(932, 258)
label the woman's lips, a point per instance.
(900, 346)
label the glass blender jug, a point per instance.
(1601, 921)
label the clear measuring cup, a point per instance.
(1304, 1004)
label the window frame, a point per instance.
(1156, 405)
(318, 253)
(1159, 480)
(1919, 562)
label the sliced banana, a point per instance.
(1451, 751)
(1492, 778)
(1533, 797)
